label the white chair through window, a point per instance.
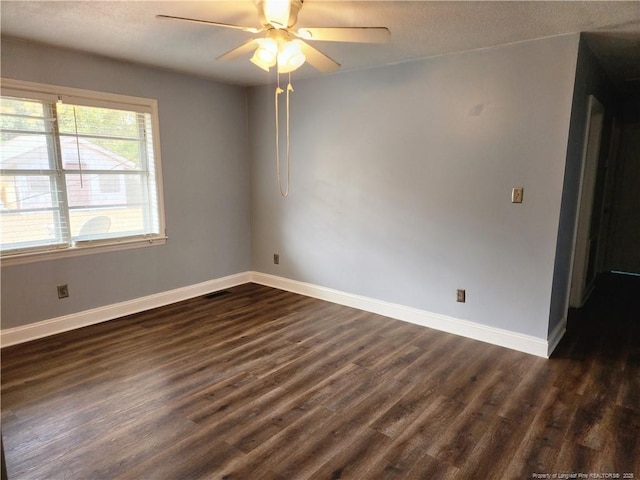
(95, 226)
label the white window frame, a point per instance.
(20, 88)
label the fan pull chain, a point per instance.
(279, 90)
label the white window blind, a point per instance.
(76, 171)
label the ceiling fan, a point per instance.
(285, 46)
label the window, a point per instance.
(79, 170)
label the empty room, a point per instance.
(287, 239)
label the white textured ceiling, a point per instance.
(128, 30)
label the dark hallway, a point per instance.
(608, 325)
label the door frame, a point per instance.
(603, 260)
(581, 286)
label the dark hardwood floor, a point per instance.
(263, 384)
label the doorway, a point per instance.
(623, 240)
(588, 225)
(608, 225)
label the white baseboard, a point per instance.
(33, 331)
(556, 335)
(496, 336)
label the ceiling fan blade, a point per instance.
(246, 47)
(346, 34)
(214, 24)
(319, 60)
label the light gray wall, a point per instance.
(400, 184)
(206, 189)
(402, 176)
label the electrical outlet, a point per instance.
(462, 295)
(63, 291)
(516, 194)
(276, 259)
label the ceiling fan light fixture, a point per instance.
(279, 48)
(290, 57)
(266, 54)
(277, 12)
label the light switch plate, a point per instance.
(516, 194)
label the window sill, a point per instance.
(76, 251)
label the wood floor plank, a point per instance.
(277, 450)
(419, 435)
(354, 462)
(501, 435)
(258, 383)
(621, 449)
